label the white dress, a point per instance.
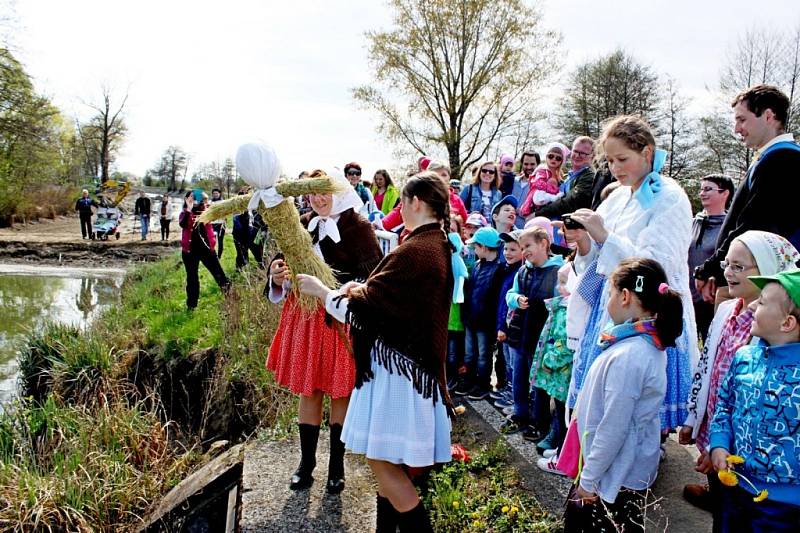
(661, 232)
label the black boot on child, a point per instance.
(415, 521)
(386, 516)
(336, 461)
(302, 479)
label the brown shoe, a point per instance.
(698, 495)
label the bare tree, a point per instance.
(107, 129)
(455, 73)
(676, 133)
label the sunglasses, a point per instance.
(554, 156)
(353, 173)
(487, 171)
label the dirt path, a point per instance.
(269, 505)
(58, 241)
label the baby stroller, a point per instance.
(107, 223)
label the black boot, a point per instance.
(386, 516)
(336, 461)
(416, 520)
(302, 479)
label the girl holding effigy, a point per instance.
(310, 354)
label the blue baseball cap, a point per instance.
(508, 199)
(487, 237)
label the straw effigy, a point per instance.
(284, 225)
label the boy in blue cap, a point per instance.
(757, 421)
(479, 313)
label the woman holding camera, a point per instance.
(647, 216)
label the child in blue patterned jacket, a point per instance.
(757, 421)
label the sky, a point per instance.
(210, 75)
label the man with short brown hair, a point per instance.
(767, 196)
(578, 185)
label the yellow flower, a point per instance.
(735, 459)
(761, 496)
(514, 509)
(504, 509)
(728, 478)
(477, 523)
(456, 503)
(476, 515)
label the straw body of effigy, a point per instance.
(283, 222)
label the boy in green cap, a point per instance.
(755, 434)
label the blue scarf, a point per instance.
(460, 273)
(651, 183)
(612, 334)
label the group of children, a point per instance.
(744, 409)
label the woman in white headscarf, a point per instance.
(347, 243)
(753, 253)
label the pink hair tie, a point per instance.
(663, 288)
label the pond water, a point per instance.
(31, 296)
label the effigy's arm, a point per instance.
(284, 225)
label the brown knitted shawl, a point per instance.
(402, 311)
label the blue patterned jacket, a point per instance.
(758, 418)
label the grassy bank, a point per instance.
(113, 417)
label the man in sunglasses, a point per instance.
(578, 185)
(352, 172)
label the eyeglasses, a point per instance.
(736, 269)
(487, 171)
(710, 189)
(554, 156)
(581, 154)
(353, 172)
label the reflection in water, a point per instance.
(28, 301)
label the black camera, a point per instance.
(571, 224)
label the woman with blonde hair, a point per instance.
(484, 191)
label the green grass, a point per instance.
(85, 450)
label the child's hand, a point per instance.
(704, 464)
(280, 272)
(719, 458)
(586, 496)
(312, 286)
(501, 336)
(349, 286)
(522, 302)
(685, 435)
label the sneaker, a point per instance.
(547, 443)
(547, 454)
(497, 394)
(451, 384)
(533, 435)
(502, 403)
(513, 425)
(508, 411)
(462, 388)
(549, 465)
(478, 393)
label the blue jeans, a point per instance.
(478, 347)
(145, 219)
(740, 514)
(509, 358)
(455, 352)
(521, 387)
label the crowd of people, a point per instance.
(579, 294)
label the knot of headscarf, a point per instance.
(460, 273)
(327, 228)
(651, 183)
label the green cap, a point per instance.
(789, 280)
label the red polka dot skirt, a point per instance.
(308, 355)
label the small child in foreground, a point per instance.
(617, 410)
(755, 434)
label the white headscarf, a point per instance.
(772, 252)
(341, 202)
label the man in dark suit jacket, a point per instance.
(767, 196)
(579, 183)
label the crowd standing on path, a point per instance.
(585, 286)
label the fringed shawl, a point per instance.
(402, 312)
